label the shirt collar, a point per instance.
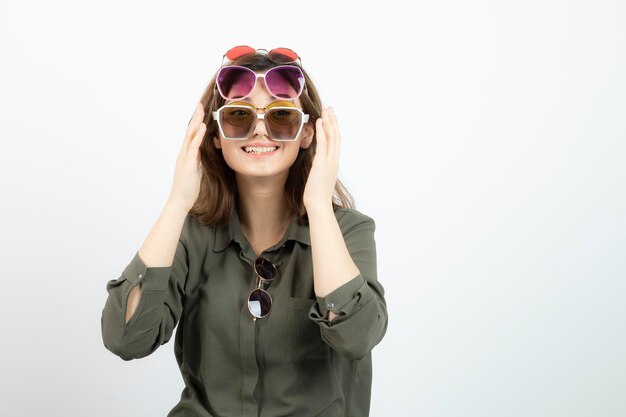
(232, 231)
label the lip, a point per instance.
(260, 155)
(260, 144)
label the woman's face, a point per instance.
(268, 163)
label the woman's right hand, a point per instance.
(188, 172)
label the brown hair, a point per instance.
(218, 189)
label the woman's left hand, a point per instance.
(320, 185)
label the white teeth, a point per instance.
(257, 149)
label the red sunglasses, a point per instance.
(280, 55)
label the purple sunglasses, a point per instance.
(283, 82)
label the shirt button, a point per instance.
(140, 276)
(330, 305)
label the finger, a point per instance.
(199, 163)
(329, 131)
(199, 109)
(337, 133)
(194, 125)
(194, 144)
(335, 125)
(195, 111)
(199, 167)
(321, 137)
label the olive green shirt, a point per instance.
(294, 362)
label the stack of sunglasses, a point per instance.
(236, 120)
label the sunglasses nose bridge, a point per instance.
(261, 82)
(259, 126)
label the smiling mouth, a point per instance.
(257, 150)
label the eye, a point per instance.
(237, 113)
(238, 116)
(283, 116)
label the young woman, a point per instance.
(258, 257)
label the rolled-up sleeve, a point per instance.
(158, 311)
(359, 304)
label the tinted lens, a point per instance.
(283, 55)
(237, 121)
(239, 51)
(259, 303)
(265, 269)
(285, 81)
(235, 82)
(283, 123)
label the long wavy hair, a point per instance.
(218, 189)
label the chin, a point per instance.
(274, 165)
(263, 171)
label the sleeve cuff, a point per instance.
(341, 301)
(151, 278)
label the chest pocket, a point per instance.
(305, 341)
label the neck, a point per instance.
(263, 210)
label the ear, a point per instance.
(307, 135)
(217, 142)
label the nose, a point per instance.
(259, 129)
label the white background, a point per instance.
(486, 138)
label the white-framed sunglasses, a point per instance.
(283, 120)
